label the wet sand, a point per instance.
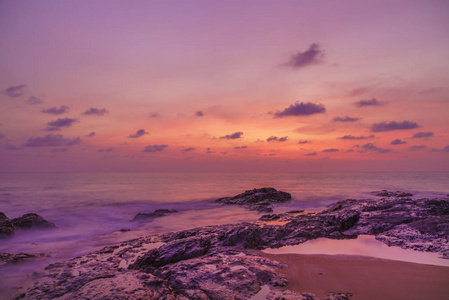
(364, 277)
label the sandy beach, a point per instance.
(366, 278)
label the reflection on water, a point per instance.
(364, 245)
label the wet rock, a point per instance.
(32, 220)
(6, 226)
(261, 200)
(156, 214)
(271, 217)
(398, 194)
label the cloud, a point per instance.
(277, 139)
(373, 148)
(12, 147)
(241, 147)
(312, 56)
(15, 91)
(96, 111)
(235, 135)
(59, 150)
(330, 150)
(199, 113)
(51, 129)
(110, 149)
(351, 137)
(224, 152)
(188, 149)
(389, 126)
(303, 142)
(445, 149)
(310, 154)
(209, 151)
(155, 115)
(154, 148)
(34, 100)
(56, 111)
(138, 134)
(431, 91)
(422, 135)
(62, 122)
(302, 109)
(417, 147)
(398, 142)
(371, 102)
(345, 119)
(2, 136)
(91, 134)
(51, 140)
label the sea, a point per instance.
(93, 210)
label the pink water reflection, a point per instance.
(364, 245)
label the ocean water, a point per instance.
(89, 209)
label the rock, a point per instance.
(271, 217)
(6, 226)
(398, 194)
(260, 200)
(32, 220)
(156, 214)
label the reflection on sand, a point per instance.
(364, 245)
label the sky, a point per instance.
(224, 86)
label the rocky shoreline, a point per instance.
(220, 262)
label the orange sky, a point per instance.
(203, 86)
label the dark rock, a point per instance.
(272, 217)
(32, 220)
(125, 230)
(6, 226)
(257, 199)
(156, 214)
(398, 194)
(295, 211)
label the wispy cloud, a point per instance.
(277, 139)
(96, 111)
(240, 147)
(422, 135)
(34, 100)
(110, 149)
(15, 91)
(373, 148)
(91, 134)
(312, 56)
(311, 154)
(346, 119)
(209, 151)
(445, 149)
(398, 142)
(430, 91)
(330, 150)
(51, 140)
(303, 142)
(154, 148)
(62, 122)
(301, 109)
(138, 134)
(417, 147)
(235, 135)
(56, 111)
(199, 114)
(351, 137)
(389, 126)
(370, 102)
(189, 149)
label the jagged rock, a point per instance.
(6, 226)
(156, 214)
(32, 220)
(271, 217)
(398, 194)
(260, 200)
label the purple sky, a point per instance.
(243, 85)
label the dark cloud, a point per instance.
(235, 135)
(155, 115)
(138, 134)
(56, 111)
(96, 111)
(241, 147)
(91, 134)
(312, 56)
(51, 129)
(398, 142)
(417, 147)
(303, 142)
(310, 154)
(34, 100)
(330, 150)
(62, 122)
(277, 139)
(110, 149)
(15, 91)
(209, 151)
(422, 135)
(51, 140)
(350, 150)
(345, 119)
(199, 113)
(431, 91)
(2, 136)
(371, 147)
(389, 126)
(224, 152)
(11, 147)
(302, 109)
(445, 149)
(351, 137)
(154, 148)
(371, 102)
(188, 149)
